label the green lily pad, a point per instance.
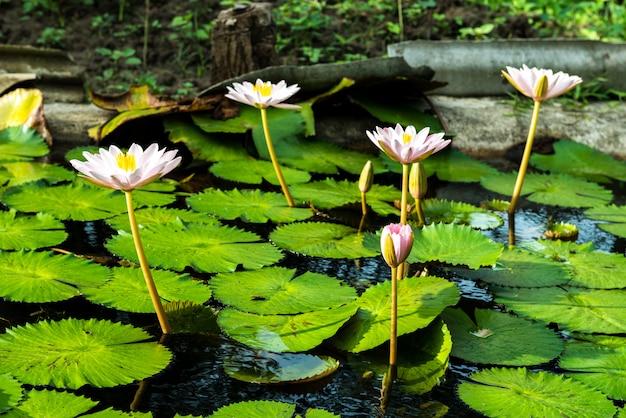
(50, 403)
(254, 172)
(615, 216)
(330, 193)
(553, 189)
(600, 366)
(556, 249)
(29, 232)
(452, 165)
(598, 270)
(72, 352)
(192, 318)
(152, 216)
(19, 144)
(500, 338)
(18, 173)
(114, 413)
(68, 201)
(11, 392)
(521, 269)
(275, 290)
(265, 409)
(204, 145)
(522, 393)
(572, 308)
(127, 290)
(157, 193)
(38, 277)
(420, 300)
(264, 367)
(445, 211)
(284, 333)
(207, 248)
(321, 240)
(249, 205)
(580, 160)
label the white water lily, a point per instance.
(115, 169)
(539, 83)
(407, 145)
(263, 94)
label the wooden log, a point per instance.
(242, 40)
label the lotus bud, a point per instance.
(367, 177)
(418, 182)
(396, 242)
(542, 86)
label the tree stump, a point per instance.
(242, 40)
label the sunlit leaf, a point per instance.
(598, 270)
(209, 248)
(152, 216)
(11, 392)
(523, 393)
(248, 205)
(20, 144)
(254, 172)
(115, 413)
(284, 333)
(45, 277)
(420, 300)
(275, 290)
(18, 173)
(72, 352)
(511, 341)
(157, 193)
(321, 240)
(29, 232)
(441, 210)
(452, 165)
(127, 290)
(615, 216)
(265, 409)
(24, 108)
(51, 403)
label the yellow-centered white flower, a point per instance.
(263, 94)
(539, 83)
(115, 169)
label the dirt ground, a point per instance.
(180, 64)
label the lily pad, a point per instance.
(29, 232)
(500, 338)
(522, 393)
(188, 317)
(157, 193)
(264, 367)
(265, 409)
(11, 392)
(275, 290)
(551, 189)
(452, 165)
(127, 290)
(152, 216)
(330, 193)
(284, 333)
(50, 403)
(249, 205)
(18, 144)
(114, 413)
(445, 211)
(614, 216)
(580, 160)
(321, 240)
(254, 172)
(598, 270)
(207, 248)
(73, 352)
(38, 277)
(21, 172)
(420, 300)
(572, 308)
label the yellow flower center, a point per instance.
(406, 137)
(264, 88)
(126, 162)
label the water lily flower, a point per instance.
(540, 84)
(396, 242)
(263, 94)
(115, 169)
(407, 145)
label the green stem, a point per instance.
(522, 171)
(363, 203)
(145, 268)
(393, 332)
(270, 149)
(420, 212)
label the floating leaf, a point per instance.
(19, 144)
(209, 248)
(598, 270)
(511, 341)
(321, 240)
(249, 205)
(521, 269)
(598, 366)
(284, 333)
(45, 277)
(330, 193)
(580, 160)
(554, 189)
(256, 409)
(23, 108)
(445, 211)
(157, 193)
(68, 201)
(254, 172)
(113, 413)
(189, 317)
(420, 300)
(127, 290)
(18, 173)
(522, 393)
(275, 290)
(152, 216)
(574, 309)
(615, 215)
(50, 403)
(29, 232)
(452, 165)
(265, 367)
(11, 392)
(557, 250)
(71, 353)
